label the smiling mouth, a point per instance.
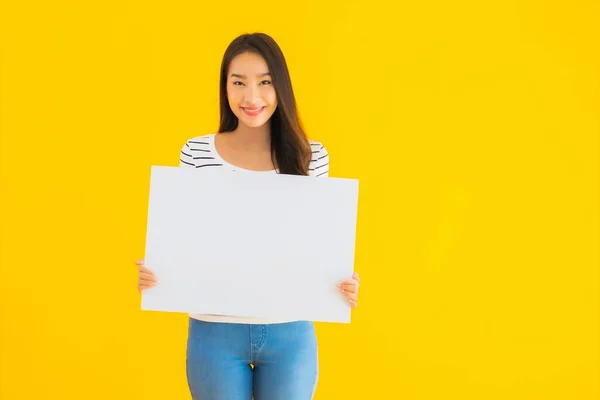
(253, 111)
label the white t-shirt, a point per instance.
(200, 152)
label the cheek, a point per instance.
(233, 96)
(271, 97)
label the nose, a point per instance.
(251, 94)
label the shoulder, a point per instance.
(319, 162)
(198, 141)
(196, 150)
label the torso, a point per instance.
(200, 152)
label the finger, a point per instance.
(353, 303)
(147, 274)
(146, 270)
(353, 287)
(349, 294)
(139, 262)
(144, 286)
(355, 276)
(351, 281)
(349, 284)
(146, 282)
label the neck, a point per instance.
(253, 138)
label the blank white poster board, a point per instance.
(250, 244)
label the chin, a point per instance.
(253, 123)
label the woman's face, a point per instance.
(250, 90)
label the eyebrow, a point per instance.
(244, 76)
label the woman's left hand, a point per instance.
(349, 288)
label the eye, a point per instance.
(265, 82)
(237, 83)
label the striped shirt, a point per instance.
(200, 152)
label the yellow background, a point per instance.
(473, 127)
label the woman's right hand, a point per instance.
(146, 279)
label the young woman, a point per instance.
(233, 358)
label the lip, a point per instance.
(253, 112)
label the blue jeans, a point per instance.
(227, 361)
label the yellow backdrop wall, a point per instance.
(472, 126)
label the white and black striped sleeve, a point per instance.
(322, 163)
(185, 157)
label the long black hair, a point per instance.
(290, 148)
